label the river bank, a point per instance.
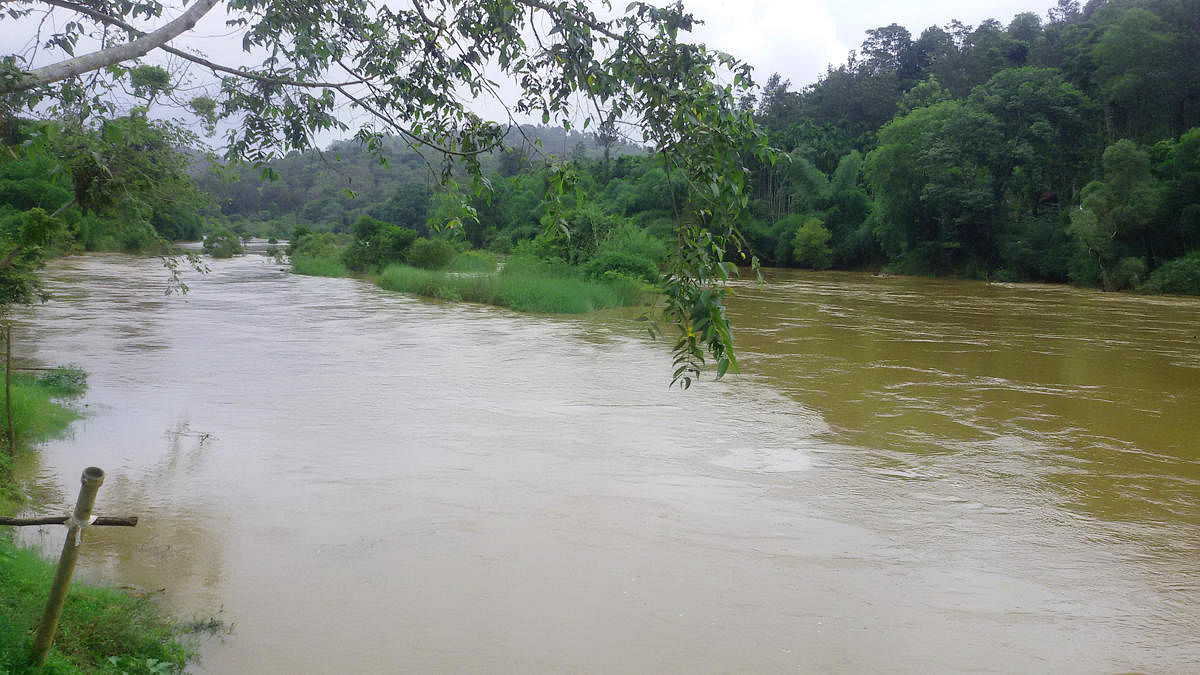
(101, 628)
(522, 285)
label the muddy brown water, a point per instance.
(908, 476)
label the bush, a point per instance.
(619, 262)
(1127, 274)
(377, 243)
(633, 240)
(110, 234)
(810, 246)
(324, 245)
(222, 243)
(431, 254)
(1180, 276)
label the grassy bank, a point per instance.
(522, 285)
(101, 630)
(37, 416)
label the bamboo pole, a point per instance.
(12, 437)
(92, 478)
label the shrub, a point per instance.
(377, 243)
(222, 243)
(623, 263)
(526, 287)
(633, 240)
(1180, 276)
(1127, 274)
(431, 254)
(810, 246)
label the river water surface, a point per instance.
(908, 476)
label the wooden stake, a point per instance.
(92, 478)
(12, 448)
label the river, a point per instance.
(909, 475)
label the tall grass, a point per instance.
(319, 267)
(473, 261)
(36, 416)
(526, 288)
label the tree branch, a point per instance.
(103, 521)
(200, 60)
(133, 49)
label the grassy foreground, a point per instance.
(101, 630)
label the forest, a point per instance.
(1058, 150)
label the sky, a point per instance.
(800, 38)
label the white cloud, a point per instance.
(797, 39)
(800, 38)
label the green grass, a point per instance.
(36, 415)
(97, 624)
(101, 630)
(319, 267)
(523, 288)
(473, 261)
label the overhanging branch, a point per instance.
(103, 58)
(194, 58)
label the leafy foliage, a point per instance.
(431, 254)
(222, 243)
(1181, 276)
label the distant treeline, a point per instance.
(1063, 150)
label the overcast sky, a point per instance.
(800, 38)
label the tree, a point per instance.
(935, 192)
(414, 70)
(1114, 214)
(1133, 57)
(1048, 132)
(810, 246)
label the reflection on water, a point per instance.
(910, 475)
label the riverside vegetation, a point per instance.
(101, 630)
(605, 263)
